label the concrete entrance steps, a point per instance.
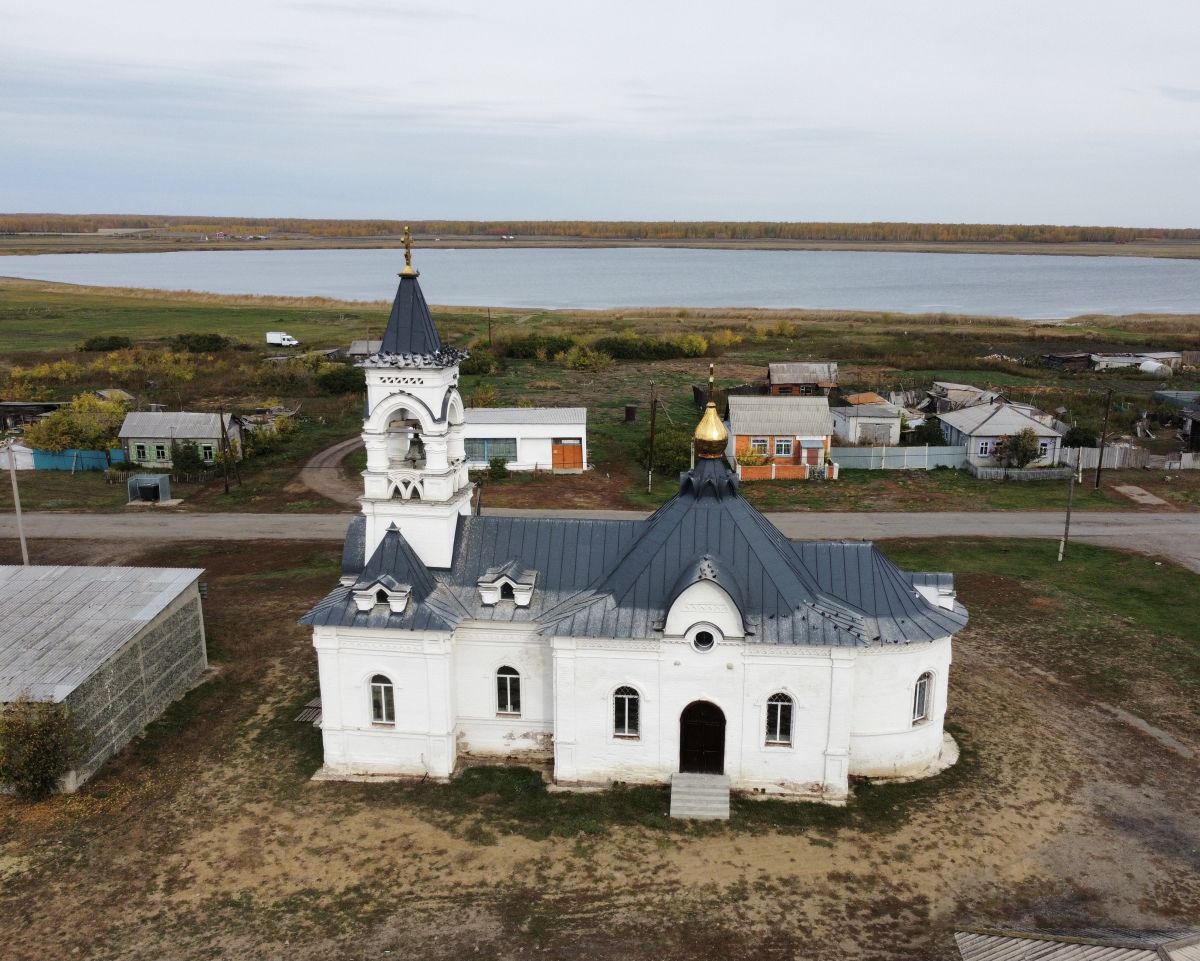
(703, 797)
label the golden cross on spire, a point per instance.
(409, 270)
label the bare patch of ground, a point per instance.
(207, 838)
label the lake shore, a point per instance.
(26, 244)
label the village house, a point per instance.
(147, 436)
(981, 428)
(792, 434)
(528, 438)
(945, 396)
(115, 645)
(802, 379)
(697, 642)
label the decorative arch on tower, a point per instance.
(385, 411)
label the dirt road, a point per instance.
(1174, 536)
(323, 473)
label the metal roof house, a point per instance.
(981, 428)
(699, 640)
(1099, 945)
(793, 434)
(114, 644)
(802, 378)
(528, 438)
(147, 436)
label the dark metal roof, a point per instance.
(410, 339)
(601, 578)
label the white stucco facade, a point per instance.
(527, 437)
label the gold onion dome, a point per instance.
(711, 437)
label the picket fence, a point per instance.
(898, 458)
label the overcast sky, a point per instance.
(1054, 111)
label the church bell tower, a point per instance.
(416, 476)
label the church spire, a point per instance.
(410, 332)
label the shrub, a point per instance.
(1079, 437)
(527, 347)
(480, 362)
(342, 379)
(482, 396)
(692, 345)
(106, 343)
(930, 432)
(200, 343)
(1018, 450)
(672, 449)
(581, 357)
(638, 348)
(497, 468)
(722, 340)
(186, 458)
(39, 741)
(750, 458)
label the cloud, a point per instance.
(379, 11)
(1183, 94)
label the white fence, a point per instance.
(898, 458)
(1114, 457)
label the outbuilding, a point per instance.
(528, 438)
(116, 645)
(867, 423)
(981, 428)
(802, 378)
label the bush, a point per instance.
(528, 347)
(692, 345)
(482, 396)
(638, 348)
(186, 459)
(930, 432)
(106, 343)
(497, 468)
(480, 362)
(342, 379)
(1079, 437)
(39, 741)
(1018, 450)
(581, 357)
(672, 449)
(200, 343)
(720, 341)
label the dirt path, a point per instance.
(323, 473)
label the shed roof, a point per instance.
(58, 625)
(865, 397)
(798, 416)
(824, 374)
(526, 415)
(170, 424)
(995, 420)
(1088, 945)
(884, 411)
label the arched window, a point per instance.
(922, 698)
(383, 701)
(625, 712)
(779, 719)
(508, 691)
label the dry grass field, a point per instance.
(206, 839)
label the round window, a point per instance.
(703, 641)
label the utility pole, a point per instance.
(1062, 544)
(224, 450)
(12, 472)
(650, 465)
(1103, 436)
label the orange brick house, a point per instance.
(790, 435)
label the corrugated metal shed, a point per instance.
(1100, 945)
(167, 424)
(60, 624)
(526, 415)
(774, 416)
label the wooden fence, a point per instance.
(1016, 474)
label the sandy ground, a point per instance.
(209, 841)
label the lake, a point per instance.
(1029, 287)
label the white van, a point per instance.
(279, 338)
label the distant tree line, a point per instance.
(709, 230)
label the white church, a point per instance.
(698, 640)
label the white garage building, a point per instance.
(700, 640)
(528, 438)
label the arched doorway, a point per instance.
(702, 739)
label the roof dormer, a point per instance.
(383, 590)
(507, 582)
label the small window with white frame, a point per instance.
(626, 712)
(207, 453)
(383, 701)
(508, 691)
(1043, 449)
(783, 447)
(759, 445)
(779, 719)
(922, 698)
(139, 452)
(160, 451)
(985, 448)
